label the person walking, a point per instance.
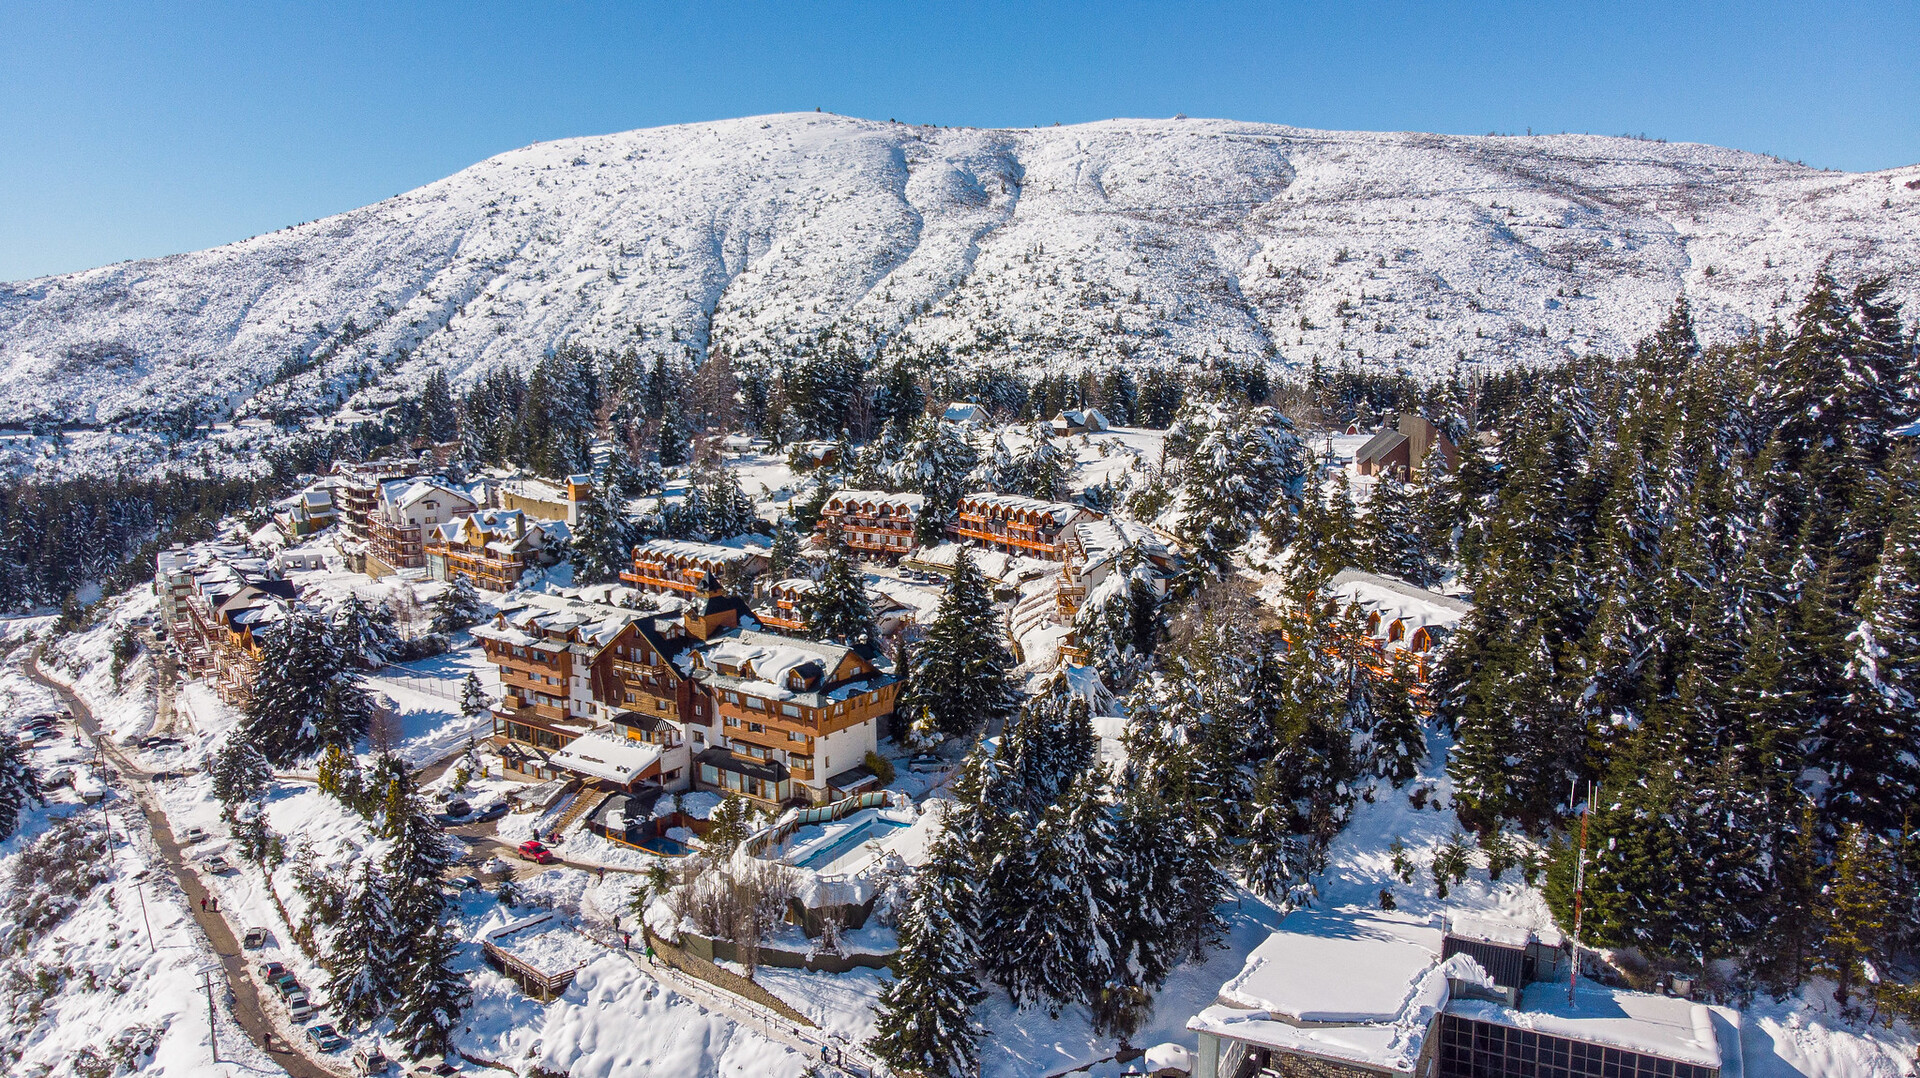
(203, 903)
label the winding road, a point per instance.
(246, 1008)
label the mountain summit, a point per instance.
(1145, 239)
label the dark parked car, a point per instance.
(491, 812)
(325, 1038)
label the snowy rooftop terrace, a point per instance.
(1366, 988)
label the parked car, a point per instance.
(288, 986)
(325, 1038)
(194, 834)
(299, 1007)
(269, 970)
(432, 1067)
(457, 807)
(370, 1061)
(532, 850)
(926, 763)
(466, 883)
(255, 938)
(217, 865)
(491, 812)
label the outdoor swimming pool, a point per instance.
(845, 849)
(666, 847)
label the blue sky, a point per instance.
(137, 129)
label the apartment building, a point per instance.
(797, 717)
(402, 515)
(1017, 525)
(216, 598)
(872, 522)
(491, 548)
(682, 567)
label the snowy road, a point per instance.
(246, 1005)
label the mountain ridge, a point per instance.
(1141, 240)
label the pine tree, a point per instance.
(456, 607)
(924, 1021)
(672, 442)
(473, 697)
(438, 421)
(1391, 540)
(338, 774)
(602, 544)
(365, 633)
(362, 976)
(1852, 914)
(962, 669)
(729, 825)
(836, 608)
(240, 772)
(19, 784)
(1396, 741)
(1875, 762)
(785, 553)
(431, 993)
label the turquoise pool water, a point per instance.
(824, 857)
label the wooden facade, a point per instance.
(873, 522)
(675, 566)
(1016, 525)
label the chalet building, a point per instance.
(550, 650)
(542, 500)
(1402, 621)
(216, 599)
(1017, 525)
(797, 717)
(407, 509)
(1340, 996)
(1401, 448)
(1079, 421)
(966, 414)
(872, 522)
(779, 605)
(309, 511)
(681, 567)
(491, 548)
(1095, 552)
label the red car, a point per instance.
(532, 850)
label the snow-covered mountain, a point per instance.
(1158, 239)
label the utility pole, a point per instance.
(1579, 891)
(213, 1025)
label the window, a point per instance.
(795, 735)
(731, 721)
(789, 709)
(756, 728)
(632, 699)
(756, 703)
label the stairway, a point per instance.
(583, 804)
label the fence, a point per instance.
(728, 951)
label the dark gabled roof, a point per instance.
(718, 604)
(640, 720)
(770, 771)
(1379, 446)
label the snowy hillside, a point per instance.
(1154, 238)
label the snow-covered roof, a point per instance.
(1362, 989)
(594, 624)
(964, 412)
(1662, 1026)
(608, 756)
(1055, 512)
(1396, 600)
(897, 503)
(687, 549)
(1328, 969)
(1503, 933)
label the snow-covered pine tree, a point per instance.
(962, 669)
(365, 632)
(19, 784)
(1064, 937)
(287, 708)
(473, 697)
(456, 607)
(936, 462)
(837, 608)
(338, 775)
(1391, 539)
(431, 993)
(602, 544)
(924, 1021)
(785, 552)
(438, 420)
(358, 953)
(240, 772)
(672, 442)
(1875, 765)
